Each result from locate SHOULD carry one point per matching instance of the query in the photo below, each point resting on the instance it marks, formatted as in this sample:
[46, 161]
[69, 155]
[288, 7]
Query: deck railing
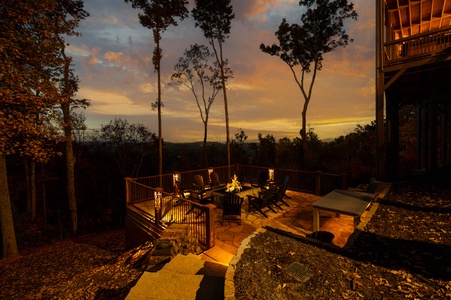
[417, 46]
[164, 209]
[199, 218]
[168, 207]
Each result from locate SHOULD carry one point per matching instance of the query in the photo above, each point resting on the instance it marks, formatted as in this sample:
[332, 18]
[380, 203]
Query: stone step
[168, 285]
[193, 265]
[184, 277]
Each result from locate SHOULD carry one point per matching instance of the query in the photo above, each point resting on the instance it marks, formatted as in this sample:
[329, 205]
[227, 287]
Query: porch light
[271, 174]
[175, 178]
[210, 170]
[158, 197]
[175, 181]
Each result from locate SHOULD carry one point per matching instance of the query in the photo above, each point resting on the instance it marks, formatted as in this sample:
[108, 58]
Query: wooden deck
[297, 218]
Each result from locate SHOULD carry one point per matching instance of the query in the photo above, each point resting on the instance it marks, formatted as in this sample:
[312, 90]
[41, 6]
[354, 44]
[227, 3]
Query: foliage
[32, 52]
[238, 150]
[27, 94]
[158, 15]
[353, 154]
[286, 156]
[266, 150]
[68, 86]
[129, 144]
[321, 30]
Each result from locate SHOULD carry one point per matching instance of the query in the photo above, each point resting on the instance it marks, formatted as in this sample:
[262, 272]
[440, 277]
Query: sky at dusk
[113, 59]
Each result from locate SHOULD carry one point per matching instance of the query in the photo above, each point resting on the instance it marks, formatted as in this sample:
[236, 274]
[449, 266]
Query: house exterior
[413, 67]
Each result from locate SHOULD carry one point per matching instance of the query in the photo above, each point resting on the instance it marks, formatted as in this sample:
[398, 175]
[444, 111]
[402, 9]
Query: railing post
[344, 183]
[127, 190]
[175, 179]
[318, 183]
[158, 203]
[210, 226]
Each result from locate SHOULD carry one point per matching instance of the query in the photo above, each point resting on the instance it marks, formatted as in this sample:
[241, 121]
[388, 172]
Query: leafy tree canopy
[214, 18]
[320, 31]
[30, 33]
[158, 15]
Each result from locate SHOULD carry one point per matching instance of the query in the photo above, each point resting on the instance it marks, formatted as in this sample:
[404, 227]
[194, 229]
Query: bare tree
[214, 17]
[203, 79]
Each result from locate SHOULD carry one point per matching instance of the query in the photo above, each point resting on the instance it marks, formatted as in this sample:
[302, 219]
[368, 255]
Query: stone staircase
[184, 277]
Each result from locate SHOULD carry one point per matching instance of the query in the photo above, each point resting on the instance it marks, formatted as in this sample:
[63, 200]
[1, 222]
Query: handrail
[318, 183]
[171, 209]
[416, 36]
[417, 46]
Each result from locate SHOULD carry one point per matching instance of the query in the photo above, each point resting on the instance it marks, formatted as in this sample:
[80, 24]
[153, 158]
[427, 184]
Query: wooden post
[315, 219]
[127, 190]
[210, 226]
[380, 130]
[318, 183]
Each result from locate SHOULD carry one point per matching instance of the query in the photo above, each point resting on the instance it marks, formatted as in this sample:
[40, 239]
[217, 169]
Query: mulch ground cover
[91, 267]
[404, 252]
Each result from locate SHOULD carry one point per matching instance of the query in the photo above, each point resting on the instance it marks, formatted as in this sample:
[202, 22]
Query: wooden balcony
[418, 50]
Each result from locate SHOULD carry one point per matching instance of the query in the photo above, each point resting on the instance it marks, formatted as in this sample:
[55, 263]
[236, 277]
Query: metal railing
[417, 46]
[198, 217]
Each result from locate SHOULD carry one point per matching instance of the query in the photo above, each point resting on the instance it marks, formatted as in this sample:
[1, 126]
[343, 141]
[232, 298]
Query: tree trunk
[27, 185]
[205, 144]
[6, 217]
[70, 161]
[44, 197]
[305, 154]
[33, 189]
[226, 110]
[160, 138]
[70, 168]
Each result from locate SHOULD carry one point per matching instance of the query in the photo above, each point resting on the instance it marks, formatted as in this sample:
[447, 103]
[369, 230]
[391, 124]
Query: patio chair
[198, 192]
[279, 194]
[265, 200]
[282, 183]
[215, 183]
[180, 193]
[231, 207]
[262, 181]
[241, 177]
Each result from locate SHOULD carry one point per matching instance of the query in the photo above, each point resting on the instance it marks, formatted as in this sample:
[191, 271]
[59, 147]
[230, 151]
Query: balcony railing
[417, 46]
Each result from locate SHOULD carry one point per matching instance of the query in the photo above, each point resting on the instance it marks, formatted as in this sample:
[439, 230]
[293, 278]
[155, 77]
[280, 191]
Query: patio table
[347, 202]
